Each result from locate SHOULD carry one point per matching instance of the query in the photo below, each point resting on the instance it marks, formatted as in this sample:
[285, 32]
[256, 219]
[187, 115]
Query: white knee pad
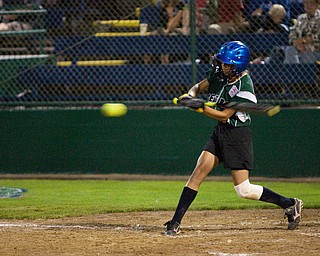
[248, 190]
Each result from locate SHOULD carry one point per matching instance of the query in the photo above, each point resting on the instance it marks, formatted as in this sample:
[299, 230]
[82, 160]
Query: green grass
[62, 198]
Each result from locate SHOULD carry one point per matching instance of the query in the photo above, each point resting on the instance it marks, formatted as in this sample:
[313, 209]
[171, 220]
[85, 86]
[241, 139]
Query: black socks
[186, 198]
[188, 195]
[272, 197]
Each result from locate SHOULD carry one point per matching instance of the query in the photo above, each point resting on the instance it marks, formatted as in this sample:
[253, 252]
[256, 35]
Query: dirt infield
[221, 233]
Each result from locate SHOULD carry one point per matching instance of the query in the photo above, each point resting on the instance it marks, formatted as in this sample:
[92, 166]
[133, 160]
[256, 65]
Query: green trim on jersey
[239, 91]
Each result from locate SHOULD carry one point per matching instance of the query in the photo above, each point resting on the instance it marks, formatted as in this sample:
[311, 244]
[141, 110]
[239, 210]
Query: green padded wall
[149, 141]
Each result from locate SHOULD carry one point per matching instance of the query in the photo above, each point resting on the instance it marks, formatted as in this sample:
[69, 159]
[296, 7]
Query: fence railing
[92, 55]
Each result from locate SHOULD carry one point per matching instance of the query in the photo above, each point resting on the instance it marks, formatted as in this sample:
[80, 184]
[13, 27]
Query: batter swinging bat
[259, 108]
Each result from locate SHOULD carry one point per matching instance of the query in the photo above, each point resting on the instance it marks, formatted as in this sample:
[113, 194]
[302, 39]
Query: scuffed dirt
[221, 233]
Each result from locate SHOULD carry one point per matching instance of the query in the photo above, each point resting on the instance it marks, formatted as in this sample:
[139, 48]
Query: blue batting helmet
[234, 53]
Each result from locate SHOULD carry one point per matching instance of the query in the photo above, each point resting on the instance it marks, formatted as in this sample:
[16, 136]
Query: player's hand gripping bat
[259, 108]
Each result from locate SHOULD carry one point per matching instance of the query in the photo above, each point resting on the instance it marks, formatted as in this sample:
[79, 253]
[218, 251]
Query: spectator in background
[48, 3]
[269, 22]
[202, 15]
[253, 7]
[176, 16]
[212, 11]
[229, 17]
[14, 22]
[272, 22]
[305, 36]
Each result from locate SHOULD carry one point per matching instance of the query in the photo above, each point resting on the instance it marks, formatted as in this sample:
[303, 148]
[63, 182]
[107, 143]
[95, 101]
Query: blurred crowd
[299, 19]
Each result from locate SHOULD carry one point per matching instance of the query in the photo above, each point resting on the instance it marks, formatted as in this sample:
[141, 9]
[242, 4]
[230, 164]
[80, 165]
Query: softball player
[231, 140]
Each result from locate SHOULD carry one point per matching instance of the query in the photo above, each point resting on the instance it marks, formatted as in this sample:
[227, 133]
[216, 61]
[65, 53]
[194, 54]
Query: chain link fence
[72, 53]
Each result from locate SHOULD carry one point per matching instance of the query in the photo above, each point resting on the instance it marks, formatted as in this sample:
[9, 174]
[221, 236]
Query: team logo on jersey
[233, 91]
[6, 192]
[215, 98]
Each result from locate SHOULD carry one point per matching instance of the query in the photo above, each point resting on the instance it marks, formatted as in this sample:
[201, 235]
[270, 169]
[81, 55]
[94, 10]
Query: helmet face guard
[234, 53]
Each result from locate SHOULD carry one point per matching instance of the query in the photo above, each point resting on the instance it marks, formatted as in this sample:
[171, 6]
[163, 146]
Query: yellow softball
[114, 109]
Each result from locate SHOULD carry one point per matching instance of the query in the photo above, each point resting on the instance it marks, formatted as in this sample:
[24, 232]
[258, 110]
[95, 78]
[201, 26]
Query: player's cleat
[172, 228]
[294, 214]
